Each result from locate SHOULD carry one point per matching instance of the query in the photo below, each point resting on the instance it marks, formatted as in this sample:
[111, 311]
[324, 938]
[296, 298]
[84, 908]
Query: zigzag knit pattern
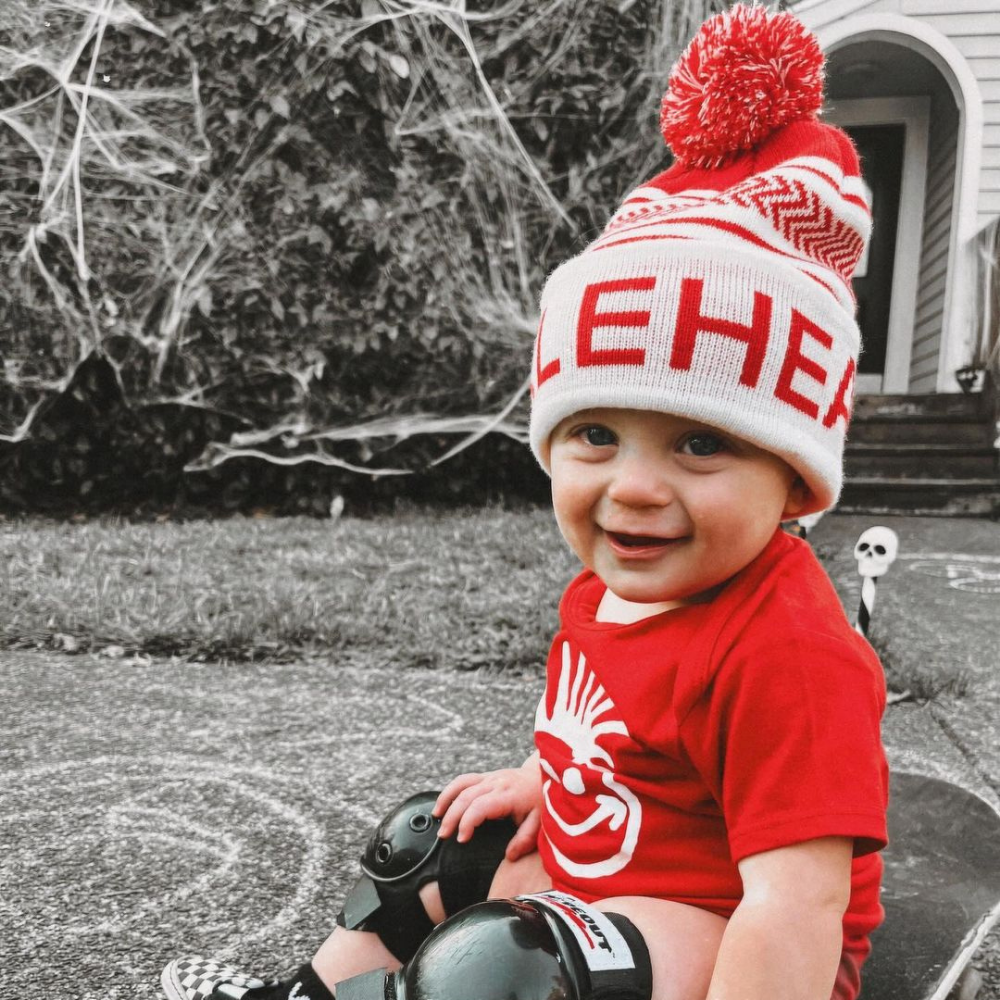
[806, 210]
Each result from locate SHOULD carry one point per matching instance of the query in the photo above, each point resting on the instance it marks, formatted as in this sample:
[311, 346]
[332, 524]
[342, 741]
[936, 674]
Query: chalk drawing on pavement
[103, 852]
[968, 573]
[417, 718]
[155, 836]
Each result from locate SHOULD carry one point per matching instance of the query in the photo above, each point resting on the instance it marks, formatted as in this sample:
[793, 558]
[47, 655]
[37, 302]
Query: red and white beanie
[720, 290]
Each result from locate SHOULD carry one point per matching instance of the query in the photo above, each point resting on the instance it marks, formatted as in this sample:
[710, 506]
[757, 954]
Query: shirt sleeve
[787, 738]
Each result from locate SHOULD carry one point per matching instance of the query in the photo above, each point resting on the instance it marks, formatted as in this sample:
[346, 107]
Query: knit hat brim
[713, 332]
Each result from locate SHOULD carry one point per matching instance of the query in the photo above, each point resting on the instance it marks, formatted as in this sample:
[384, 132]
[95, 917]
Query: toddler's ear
[799, 496]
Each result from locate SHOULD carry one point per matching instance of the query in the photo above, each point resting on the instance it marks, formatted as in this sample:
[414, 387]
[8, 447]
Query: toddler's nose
[639, 481]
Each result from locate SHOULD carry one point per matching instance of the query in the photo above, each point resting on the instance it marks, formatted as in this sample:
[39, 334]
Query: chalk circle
[982, 578]
[110, 846]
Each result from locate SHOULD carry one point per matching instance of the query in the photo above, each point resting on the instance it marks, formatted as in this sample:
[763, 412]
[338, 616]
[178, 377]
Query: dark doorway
[881, 150]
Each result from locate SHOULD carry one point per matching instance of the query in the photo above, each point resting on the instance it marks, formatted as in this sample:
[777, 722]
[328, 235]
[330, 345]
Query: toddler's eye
[598, 436]
[703, 444]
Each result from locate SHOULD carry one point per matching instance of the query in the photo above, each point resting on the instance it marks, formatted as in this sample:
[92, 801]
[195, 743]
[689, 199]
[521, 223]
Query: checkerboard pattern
[197, 978]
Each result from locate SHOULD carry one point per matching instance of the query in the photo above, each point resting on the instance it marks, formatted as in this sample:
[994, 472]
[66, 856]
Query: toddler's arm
[471, 798]
[784, 940]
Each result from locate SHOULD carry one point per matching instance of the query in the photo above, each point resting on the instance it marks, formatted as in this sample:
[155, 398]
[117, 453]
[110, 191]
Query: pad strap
[465, 871]
[639, 984]
[402, 925]
[613, 951]
[367, 986]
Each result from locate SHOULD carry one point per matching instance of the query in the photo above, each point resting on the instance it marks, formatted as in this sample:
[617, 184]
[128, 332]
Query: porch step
[922, 430]
[944, 406]
[923, 454]
[928, 497]
[928, 461]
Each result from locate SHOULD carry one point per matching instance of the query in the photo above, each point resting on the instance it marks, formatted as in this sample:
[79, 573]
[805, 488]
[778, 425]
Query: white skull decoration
[876, 551]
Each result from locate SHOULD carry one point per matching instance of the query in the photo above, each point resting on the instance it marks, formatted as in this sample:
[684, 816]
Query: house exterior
[917, 82]
[917, 85]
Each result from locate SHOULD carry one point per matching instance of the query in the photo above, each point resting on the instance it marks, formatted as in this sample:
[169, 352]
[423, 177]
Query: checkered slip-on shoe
[197, 978]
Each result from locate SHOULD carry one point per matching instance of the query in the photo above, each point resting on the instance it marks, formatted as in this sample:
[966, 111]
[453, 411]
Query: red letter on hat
[841, 405]
[691, 321]
[796, 361]
[542, 375]
[591, 319]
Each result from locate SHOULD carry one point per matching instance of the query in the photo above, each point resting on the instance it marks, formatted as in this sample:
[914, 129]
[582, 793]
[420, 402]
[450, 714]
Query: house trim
[804, 5]
[958, 333]
[914, 114]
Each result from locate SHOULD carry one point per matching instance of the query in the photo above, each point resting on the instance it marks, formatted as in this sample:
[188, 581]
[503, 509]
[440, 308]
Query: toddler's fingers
[451, 791]
[525, 840]
[488, 805]
[455, 812]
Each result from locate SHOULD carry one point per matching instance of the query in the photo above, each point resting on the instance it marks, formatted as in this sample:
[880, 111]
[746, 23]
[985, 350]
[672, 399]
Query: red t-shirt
[676, 746]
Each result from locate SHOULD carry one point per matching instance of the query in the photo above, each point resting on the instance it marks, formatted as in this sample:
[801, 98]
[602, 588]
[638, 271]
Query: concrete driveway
[151, 808]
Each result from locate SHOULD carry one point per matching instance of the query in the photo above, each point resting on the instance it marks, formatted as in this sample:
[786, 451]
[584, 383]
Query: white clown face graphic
[583, 797]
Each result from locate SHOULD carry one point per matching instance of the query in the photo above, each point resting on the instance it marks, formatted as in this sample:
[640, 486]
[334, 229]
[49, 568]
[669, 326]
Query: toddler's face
[664, 509]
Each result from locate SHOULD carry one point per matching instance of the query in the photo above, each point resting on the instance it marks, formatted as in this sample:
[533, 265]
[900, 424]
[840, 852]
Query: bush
[288, 223]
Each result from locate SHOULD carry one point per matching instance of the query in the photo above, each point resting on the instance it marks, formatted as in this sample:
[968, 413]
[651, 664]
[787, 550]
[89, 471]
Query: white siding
[973, 46]
[956, 25]
[989, 188]
[973, 27]
[819, 12]
[957, 8]
[991, 180]
[938, 208]
[985, 67]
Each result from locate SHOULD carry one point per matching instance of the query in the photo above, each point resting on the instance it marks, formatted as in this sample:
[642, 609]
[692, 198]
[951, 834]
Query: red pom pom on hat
[745, 74]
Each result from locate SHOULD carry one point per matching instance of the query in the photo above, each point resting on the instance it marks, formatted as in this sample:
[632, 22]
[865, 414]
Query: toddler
[708, 778]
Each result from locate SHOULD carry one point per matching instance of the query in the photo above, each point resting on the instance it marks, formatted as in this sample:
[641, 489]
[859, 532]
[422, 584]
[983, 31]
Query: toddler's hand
[469, 799]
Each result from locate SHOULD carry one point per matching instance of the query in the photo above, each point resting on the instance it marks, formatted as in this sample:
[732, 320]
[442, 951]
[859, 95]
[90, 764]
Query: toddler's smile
[662, 508]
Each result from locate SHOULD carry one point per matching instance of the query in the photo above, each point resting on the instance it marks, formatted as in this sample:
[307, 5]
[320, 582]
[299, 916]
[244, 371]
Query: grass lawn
[465, 589]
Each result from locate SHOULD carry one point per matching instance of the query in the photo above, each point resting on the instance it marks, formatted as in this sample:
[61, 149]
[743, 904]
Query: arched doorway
[900, 111]
[893, 57]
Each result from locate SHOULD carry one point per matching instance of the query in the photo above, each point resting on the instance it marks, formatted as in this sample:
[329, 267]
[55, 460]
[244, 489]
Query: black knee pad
[549, 946]
[403, 854]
